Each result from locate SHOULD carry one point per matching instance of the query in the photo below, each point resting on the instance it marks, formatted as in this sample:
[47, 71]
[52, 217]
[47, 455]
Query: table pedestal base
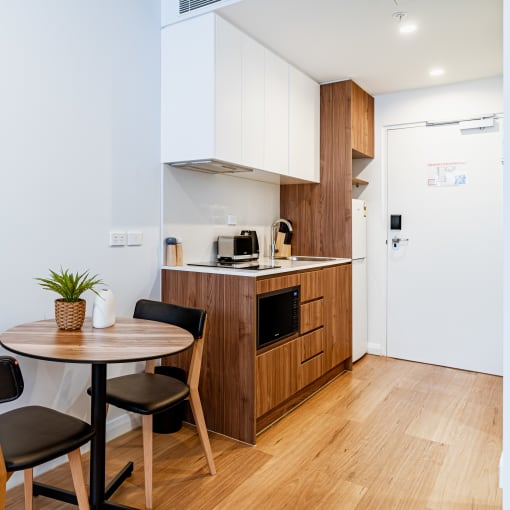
[41, 489]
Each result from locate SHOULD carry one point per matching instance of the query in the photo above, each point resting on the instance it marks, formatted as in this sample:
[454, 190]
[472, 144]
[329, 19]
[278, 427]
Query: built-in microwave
[277, 315]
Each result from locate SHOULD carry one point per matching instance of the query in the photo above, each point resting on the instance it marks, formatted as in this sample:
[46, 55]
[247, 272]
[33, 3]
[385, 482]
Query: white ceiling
[333, 40]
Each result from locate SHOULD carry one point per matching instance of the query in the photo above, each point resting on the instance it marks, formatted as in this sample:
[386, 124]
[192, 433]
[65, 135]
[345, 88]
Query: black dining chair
[33, 435]
[148, 393]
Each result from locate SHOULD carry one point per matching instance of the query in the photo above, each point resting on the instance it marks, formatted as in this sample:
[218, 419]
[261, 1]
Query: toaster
[231, 248]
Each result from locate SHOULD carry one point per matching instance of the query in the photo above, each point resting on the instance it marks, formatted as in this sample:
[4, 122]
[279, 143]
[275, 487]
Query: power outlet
[117, 238]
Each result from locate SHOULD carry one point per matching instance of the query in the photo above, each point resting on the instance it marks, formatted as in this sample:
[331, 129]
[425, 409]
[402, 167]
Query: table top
[127, 340]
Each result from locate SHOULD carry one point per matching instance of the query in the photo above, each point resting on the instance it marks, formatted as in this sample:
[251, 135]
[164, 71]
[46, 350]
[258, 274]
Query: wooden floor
[390, 435]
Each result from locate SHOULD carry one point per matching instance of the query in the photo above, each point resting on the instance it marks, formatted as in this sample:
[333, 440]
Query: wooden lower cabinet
[243, 391]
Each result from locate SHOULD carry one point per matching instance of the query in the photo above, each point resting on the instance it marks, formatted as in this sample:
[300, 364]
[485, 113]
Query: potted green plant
[70, 308]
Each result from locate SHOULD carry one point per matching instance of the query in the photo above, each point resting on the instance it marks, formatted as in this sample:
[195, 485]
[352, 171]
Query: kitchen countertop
[286, 266]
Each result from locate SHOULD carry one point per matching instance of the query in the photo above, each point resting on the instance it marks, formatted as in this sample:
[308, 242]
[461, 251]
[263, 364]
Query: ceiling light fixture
[436, 72]
[408, 28]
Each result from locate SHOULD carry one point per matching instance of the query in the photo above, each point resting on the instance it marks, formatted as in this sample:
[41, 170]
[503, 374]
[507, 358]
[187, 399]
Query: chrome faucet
[275, 227]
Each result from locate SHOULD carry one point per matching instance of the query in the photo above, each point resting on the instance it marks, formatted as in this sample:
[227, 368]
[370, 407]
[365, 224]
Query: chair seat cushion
[145, 393]
[32, 435]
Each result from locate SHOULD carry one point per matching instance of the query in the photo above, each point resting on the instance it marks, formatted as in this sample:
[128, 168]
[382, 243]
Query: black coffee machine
[254, 240]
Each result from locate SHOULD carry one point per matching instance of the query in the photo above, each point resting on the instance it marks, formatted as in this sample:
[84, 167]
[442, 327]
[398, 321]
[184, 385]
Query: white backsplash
[196, 207]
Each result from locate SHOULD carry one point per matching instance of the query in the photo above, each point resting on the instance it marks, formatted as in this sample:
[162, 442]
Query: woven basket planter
[70, 316]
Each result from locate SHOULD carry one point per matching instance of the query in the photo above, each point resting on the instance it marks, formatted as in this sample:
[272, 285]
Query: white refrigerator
[359, 279]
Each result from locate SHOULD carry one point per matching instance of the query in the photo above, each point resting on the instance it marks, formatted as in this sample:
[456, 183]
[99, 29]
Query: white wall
[196, 206]
[505, 474]
[435, 103]
[79, 136]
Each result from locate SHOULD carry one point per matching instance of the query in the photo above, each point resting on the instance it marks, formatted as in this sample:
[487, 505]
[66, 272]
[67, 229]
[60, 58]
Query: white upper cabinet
[276, 138]
[304, 126]
[188, 90]
[253, 103]
[225, 97]
[229, 96]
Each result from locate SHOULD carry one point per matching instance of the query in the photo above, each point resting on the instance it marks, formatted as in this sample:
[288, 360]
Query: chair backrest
[11, 380]
[190, 319]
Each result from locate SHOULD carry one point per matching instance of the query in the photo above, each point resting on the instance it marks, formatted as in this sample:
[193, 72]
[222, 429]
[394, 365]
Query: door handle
[397, 240]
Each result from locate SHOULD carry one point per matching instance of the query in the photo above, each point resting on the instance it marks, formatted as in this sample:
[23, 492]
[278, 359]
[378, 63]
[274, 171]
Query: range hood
[211, 166]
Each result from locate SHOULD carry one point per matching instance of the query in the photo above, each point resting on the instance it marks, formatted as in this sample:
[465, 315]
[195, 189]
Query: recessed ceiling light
[408, 28]
[436, 72]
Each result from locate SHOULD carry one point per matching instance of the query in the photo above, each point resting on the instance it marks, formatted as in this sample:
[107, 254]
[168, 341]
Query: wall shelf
[358, 182]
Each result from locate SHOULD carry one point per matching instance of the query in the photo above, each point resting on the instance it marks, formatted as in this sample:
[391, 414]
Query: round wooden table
[126, 341]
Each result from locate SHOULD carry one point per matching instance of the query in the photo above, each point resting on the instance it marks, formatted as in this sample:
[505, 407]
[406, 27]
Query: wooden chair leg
[78, 479]
[3, 490]
[198, 414]
[29, 481]
[147, 458]
[4, 476]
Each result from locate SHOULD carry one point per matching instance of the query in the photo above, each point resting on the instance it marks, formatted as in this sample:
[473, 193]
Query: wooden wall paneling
[300, 203]
[337, 315]
[311, 316]
[239, 318]
[311, 285]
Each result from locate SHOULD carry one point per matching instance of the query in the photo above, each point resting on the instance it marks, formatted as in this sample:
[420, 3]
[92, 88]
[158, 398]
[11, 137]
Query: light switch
[134, 238]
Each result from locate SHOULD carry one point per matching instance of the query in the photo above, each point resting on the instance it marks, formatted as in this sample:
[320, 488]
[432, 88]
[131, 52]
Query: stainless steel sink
[310, 258]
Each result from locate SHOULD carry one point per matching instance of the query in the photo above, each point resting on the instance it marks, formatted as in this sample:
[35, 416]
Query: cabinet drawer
[277, 283]
[277, 376]
[311, 344]
[311, 285]
[310, 370]
[312, 316]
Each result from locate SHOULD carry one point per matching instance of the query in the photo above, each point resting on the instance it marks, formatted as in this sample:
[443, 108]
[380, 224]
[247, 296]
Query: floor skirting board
[375, 349]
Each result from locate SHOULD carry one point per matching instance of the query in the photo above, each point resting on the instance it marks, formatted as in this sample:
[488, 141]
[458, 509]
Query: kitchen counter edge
[287, 266]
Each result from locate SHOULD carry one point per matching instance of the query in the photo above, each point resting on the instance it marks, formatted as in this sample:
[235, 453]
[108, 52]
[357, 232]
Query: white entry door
[445, 272]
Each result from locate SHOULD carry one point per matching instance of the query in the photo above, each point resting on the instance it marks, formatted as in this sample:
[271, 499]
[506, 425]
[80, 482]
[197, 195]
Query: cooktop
[251, 265]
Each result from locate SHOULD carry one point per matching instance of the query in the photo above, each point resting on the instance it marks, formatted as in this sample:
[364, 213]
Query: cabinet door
[276, 136]
[337, 315]
[277, 376]
[228, 115]
[304, 113]
[362, 120]
[253, 103]
[187, 90]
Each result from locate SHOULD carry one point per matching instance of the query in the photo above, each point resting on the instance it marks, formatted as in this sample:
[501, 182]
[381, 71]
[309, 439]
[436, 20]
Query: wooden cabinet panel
[227, 382]
[277, 376]
[280, 282]
[312, 316]
[311, 285]
[311, 370]
[311, 344]
[362, 120]
[337, 315]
